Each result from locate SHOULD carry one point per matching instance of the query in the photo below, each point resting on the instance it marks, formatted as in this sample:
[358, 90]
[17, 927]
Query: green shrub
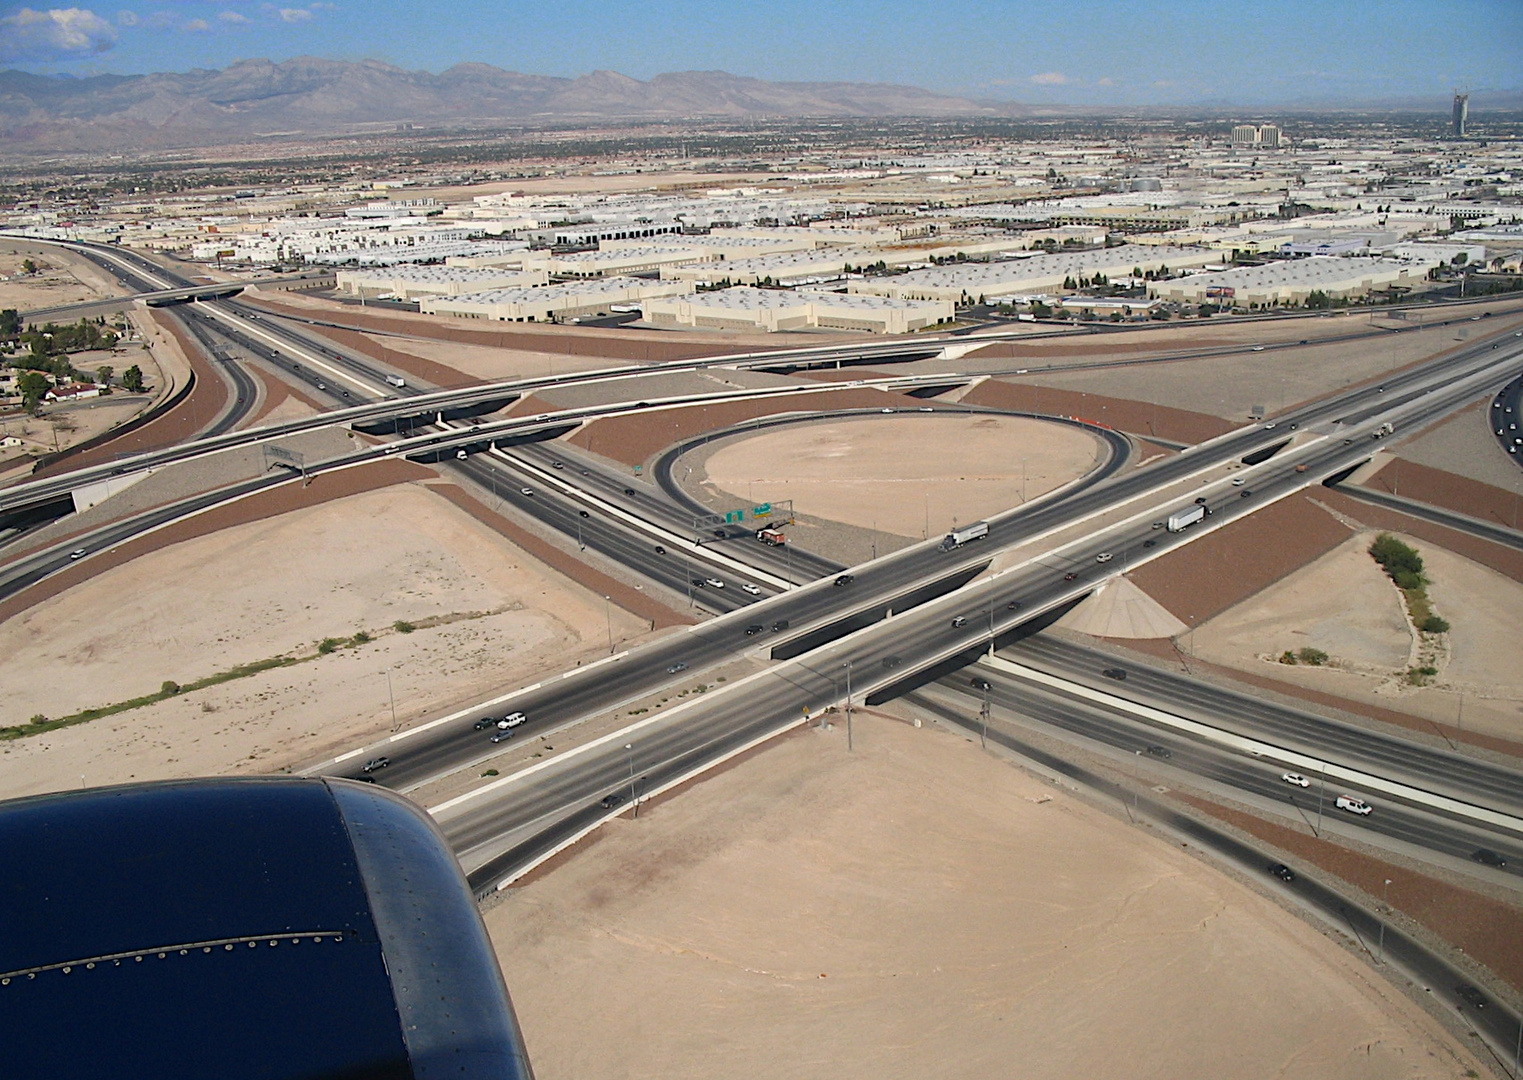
[490, 772]
[360, 638]
[169, 688]
[327, 645]
[1435, 625]
[1287, 657]
[402, 626]
[1395, 557]
[39, 720]
[1408, 580]
[1314, 657]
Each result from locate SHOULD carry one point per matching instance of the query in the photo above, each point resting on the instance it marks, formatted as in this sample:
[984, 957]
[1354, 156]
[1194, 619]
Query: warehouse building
[412, 282]
[1282, 283]
[745, 308]
[550, 302]
[783, 268]
[636, 259]
[966, 282]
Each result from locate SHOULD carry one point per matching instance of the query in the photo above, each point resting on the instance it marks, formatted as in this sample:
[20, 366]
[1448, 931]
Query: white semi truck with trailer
[958, 537]
[1181, 520]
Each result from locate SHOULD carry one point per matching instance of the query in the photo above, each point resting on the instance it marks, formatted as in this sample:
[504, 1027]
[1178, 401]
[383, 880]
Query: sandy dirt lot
[919, 908]
[1230, 385]
[488, 364]
[62, 278]
[896, 473]
[488, 619]
[1343, 605]
[1464, 445]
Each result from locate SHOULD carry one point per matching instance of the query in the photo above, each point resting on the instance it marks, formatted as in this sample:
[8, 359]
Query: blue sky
[1080, 51]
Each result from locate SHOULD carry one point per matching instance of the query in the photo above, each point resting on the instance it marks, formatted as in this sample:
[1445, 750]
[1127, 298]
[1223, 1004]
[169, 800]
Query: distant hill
[313, 96]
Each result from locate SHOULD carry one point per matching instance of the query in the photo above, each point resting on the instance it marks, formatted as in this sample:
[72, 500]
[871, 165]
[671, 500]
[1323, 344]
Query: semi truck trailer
[1181, 520]
[958, 537]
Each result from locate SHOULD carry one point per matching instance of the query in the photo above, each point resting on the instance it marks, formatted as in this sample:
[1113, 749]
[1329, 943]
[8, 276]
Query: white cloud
[1050, 78]
[127, 18]
[54, 34]
[1107, 81]
[235, 17]
[197, 26]
[294, 15]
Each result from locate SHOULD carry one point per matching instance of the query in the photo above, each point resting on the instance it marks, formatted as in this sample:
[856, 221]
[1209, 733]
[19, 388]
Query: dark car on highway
[754, 628]
[1281, 871]
[485, 722]
[1160, 752]
[779, 626]
[1471, 996]
[1070, 576]
[845, 579]
[1488, 857]
[611, 800]
[1119, 674]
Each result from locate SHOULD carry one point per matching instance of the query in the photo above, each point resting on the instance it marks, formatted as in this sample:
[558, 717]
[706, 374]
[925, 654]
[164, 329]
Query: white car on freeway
[713, 583]
[1355, 806]
[749, 588]
[1296, 779]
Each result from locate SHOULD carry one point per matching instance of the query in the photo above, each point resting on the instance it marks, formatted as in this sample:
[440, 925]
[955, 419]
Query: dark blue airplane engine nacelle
[264, 927]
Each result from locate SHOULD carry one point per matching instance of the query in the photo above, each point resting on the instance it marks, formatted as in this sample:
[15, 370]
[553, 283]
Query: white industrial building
[412, 282]
[636, 259]
[1292, 282]
[966, 282]
[770, 310]
[549, 302]
[782, 268]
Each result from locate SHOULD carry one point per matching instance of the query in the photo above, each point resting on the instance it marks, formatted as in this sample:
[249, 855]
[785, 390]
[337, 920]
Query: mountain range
[314, 96]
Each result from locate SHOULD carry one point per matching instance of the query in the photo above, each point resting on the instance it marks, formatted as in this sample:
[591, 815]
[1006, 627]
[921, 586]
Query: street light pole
[393, 699]
[1385, 903]
[629, 750]
[608, 613]
[848, 705]
[983, 713]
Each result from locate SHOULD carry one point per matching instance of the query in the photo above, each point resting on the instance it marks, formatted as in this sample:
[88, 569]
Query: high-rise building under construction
[1461, 114]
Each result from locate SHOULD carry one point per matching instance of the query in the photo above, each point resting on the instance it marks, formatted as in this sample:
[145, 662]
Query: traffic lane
[1392, 817]
[675, 517]
[1431, 970]
[1250, 716]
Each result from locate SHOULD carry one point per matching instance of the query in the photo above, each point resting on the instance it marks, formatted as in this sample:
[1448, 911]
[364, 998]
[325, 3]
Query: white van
[512, 720]
[1354, 806]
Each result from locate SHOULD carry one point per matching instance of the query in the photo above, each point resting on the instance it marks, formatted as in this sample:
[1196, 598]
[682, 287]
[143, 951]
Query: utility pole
[983, 714]
[1321, 794]
[608, 613]
[629, 750]
[1385, 903]
[393, 698]
[848, 706]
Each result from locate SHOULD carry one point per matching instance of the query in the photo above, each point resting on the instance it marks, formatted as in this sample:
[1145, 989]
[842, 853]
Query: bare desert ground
[490, 364]
[1344, 605]
[62, 278]
[487, 618]
[919, 908]
[906, 473]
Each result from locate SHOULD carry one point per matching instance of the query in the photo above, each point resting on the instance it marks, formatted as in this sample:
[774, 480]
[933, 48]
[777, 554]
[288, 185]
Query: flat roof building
[770, 310]
[1292, 282]
[549, 302]
[966, 282]
[411, 282]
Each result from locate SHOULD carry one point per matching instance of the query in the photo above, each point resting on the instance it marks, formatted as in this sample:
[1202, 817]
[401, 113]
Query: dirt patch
[636, 438]
[1341, 604]
[920, 908]
[1139, 417]
[1466, 445]
[907, 473]
[486, 618]
[278, 500]
[1414, 480]
[1203, 578]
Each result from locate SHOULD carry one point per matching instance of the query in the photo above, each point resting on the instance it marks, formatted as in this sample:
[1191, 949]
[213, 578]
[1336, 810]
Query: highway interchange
[842, 634]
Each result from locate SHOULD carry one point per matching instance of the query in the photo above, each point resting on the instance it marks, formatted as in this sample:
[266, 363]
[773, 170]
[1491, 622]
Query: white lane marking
[1234, 741]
